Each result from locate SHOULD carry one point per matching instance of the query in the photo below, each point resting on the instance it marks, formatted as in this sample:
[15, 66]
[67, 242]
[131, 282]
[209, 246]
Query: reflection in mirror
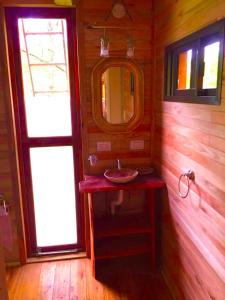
[118, 95]
[118, 90]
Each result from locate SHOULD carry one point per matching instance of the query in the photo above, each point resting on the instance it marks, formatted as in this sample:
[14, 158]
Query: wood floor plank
[47, 278]
[78, 280]
[62, 281]
[127, 288]
[73, 280]
[111, 290]
[27, 284]
[13, 281]
[95, 289]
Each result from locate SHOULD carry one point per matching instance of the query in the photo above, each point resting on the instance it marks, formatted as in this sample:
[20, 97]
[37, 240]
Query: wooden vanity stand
[122, 235]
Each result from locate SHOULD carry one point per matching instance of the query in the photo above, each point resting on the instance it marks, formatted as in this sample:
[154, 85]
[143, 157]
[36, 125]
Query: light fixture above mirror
[104, 46]
[130, 47]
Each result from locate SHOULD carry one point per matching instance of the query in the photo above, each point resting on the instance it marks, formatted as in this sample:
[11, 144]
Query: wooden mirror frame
[97, 72]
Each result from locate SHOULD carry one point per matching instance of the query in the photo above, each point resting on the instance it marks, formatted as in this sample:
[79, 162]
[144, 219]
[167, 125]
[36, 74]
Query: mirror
[117, 86]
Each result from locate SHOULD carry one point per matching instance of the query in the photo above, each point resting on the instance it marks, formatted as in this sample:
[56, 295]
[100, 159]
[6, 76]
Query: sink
[120, 175]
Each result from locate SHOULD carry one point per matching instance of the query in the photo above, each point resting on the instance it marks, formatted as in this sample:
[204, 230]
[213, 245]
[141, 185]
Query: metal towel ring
[189, 175]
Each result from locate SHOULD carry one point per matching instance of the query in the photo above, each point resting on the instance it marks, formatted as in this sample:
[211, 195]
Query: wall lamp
[104, 46]
[130, 47]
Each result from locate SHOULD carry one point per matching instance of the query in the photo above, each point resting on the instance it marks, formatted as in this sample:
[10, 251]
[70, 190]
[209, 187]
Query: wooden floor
[72, 280]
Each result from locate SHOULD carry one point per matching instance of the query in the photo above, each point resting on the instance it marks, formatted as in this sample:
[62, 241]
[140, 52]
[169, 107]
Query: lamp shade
[130, 48]
[104, 50]
[64, 2]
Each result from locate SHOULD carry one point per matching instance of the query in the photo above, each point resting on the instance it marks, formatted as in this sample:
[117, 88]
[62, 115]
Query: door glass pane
[184, 70]
[44, 58]
[52, 172]
[211, 59]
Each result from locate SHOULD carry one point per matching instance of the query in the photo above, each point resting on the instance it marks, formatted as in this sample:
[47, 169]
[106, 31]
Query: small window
[194, 67]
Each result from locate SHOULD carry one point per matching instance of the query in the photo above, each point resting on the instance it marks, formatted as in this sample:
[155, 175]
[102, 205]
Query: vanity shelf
[122, 235]
[121, 246]
[120, 225]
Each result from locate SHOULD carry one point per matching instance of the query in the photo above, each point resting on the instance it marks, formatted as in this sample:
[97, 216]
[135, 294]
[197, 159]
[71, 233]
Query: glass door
[44, 66]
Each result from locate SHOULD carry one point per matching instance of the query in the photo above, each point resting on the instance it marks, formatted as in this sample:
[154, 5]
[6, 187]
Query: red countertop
[99, 183]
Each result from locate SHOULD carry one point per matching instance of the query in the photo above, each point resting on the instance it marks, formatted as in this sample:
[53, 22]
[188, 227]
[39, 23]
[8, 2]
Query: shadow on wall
[170, 249]
[177, 250]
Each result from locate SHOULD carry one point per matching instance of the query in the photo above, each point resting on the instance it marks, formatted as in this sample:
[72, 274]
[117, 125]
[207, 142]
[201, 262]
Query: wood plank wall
[7, 151]
[190, 136]
[94, 12]
[3, 288]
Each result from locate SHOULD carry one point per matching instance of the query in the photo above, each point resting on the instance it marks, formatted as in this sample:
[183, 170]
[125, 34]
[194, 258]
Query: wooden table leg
[151, 207]
[87, 228]
[91, 221]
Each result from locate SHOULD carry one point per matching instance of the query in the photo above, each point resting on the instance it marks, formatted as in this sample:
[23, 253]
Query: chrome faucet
[118, 164]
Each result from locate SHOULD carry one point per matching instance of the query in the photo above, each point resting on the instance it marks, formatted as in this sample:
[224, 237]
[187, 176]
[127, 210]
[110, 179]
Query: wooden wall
[190, 136]
[94, 12]
[3, 289]
[8, 186]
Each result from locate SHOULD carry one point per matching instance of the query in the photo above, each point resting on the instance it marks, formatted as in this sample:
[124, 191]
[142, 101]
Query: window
[194, 67]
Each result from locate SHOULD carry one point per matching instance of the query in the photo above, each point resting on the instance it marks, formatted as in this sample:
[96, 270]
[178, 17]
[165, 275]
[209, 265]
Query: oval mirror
[117, 86]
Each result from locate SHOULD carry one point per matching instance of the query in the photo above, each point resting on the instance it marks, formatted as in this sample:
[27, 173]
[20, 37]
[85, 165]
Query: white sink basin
[120, 175]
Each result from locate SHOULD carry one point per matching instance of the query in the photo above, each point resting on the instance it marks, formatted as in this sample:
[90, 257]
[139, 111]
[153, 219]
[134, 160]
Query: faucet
[118, 164]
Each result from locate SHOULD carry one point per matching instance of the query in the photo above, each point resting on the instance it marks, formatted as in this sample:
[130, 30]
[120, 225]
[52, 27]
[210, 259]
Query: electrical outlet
[137, 145]
[103, 146]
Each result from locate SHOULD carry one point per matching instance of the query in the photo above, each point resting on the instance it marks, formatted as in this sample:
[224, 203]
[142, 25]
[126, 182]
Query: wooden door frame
[12, 15]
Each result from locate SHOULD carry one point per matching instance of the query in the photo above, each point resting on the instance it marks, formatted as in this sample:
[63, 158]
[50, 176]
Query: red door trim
[23, 141]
